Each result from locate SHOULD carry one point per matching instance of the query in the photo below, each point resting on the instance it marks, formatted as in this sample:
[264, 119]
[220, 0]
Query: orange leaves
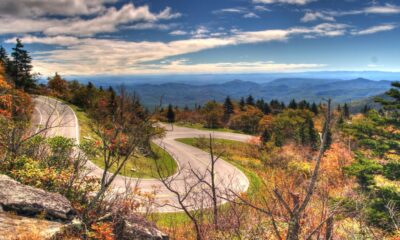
[12, 101]
[102, 231]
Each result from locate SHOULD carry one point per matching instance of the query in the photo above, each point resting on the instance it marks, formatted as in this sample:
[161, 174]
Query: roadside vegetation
[316, 172]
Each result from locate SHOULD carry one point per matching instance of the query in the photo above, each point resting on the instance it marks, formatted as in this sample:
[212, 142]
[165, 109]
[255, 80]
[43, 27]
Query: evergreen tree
[346, 111]
[260, 104]
[242, 104]
[283, 106]
[339, 108]
[4, 60]
[170, 114]
[314, 108]
[328, 139]
[266, 109]
[21, 67]
[302, 134]
[228, 109]
[366, 109]
[228, 106]
[312, 133]
[265, 136]
[293, 104]
[250, 100]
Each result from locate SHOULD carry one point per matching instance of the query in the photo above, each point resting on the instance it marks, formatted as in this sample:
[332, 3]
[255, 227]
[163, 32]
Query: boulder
[12, 226]
[30, 201]
[135, 227]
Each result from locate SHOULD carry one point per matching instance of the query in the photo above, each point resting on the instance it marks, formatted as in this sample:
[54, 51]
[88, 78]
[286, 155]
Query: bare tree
[295, 208]
[121, 135]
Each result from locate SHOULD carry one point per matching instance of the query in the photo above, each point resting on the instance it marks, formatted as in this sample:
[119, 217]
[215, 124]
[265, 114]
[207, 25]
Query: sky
[118, 37]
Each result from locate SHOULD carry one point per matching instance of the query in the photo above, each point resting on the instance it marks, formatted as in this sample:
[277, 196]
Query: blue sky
[117, 37]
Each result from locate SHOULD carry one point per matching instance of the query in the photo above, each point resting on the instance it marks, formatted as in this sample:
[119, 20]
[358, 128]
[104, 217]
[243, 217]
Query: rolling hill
[284, 89]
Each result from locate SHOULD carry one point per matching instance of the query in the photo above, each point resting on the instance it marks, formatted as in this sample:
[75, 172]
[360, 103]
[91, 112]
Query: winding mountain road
[51, 112]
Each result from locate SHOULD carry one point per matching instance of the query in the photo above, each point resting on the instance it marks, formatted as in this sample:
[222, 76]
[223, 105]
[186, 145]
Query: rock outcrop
[12, 226]
[30, 201]
[134, 227]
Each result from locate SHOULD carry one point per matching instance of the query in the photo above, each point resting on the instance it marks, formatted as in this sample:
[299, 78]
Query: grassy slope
[232, 153]
[139, 166]
[201, 127]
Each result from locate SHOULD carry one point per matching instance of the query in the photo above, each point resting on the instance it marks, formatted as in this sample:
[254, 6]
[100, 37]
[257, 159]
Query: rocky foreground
[29, 211]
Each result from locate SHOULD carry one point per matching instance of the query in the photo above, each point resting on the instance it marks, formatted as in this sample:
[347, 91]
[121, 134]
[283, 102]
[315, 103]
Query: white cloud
[230, 10]
[251, 15]
[375, 29]
[178, 33]
[297, 2]
[385, 9]
[81, 56]
[312, 16]
[150, 25]
[109, 21]
[200, 32]
[35, 8]
[261, 8]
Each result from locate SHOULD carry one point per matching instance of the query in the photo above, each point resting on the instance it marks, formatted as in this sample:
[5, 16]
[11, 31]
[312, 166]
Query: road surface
[51, 112]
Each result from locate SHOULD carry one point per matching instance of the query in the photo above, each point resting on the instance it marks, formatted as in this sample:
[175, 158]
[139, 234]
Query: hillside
[283, 89]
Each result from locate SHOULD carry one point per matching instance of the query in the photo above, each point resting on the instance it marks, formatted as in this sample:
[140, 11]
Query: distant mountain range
[283, 89]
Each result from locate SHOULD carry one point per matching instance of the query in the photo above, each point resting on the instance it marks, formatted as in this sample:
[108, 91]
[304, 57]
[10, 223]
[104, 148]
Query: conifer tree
[346, 111]
[170, 114]
[266, 109]
[21, 67]
[228, 109]
[314, 108]
[242, 104]
[250, 100]
[293, 104]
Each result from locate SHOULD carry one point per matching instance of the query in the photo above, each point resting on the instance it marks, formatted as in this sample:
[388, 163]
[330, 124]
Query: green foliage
[21, 67]
[391, 170]
[61, 149]
[213, 113]
[364, 170]
[247, 120]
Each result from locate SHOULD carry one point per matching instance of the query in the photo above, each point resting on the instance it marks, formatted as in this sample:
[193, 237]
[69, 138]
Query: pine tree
[242, 104]
[170, 114]
[260, 104]
[314, 108]
[293, 104]
[312, 133]
[228, 109]
[4, 60]
[366, 109]
[21, 67]
[250, 100]
[265, 136]
[266, 109]
[346, 111]
[339, 108]
[228, 106]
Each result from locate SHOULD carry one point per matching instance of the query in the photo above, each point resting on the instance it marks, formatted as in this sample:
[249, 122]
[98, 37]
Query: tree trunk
[294, 228]
[329, 228]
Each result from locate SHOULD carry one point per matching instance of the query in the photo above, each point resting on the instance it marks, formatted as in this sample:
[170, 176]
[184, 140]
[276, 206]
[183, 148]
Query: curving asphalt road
[51, 112]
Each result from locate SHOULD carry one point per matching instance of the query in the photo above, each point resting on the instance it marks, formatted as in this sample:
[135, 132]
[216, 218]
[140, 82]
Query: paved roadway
[55, 113]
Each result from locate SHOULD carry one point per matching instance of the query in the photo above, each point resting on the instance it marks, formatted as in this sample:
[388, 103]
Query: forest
[316, 170]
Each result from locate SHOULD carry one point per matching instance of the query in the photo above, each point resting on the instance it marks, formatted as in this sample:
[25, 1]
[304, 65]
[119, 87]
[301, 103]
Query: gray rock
[12, 226]
[26, 200]
[136, 227]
